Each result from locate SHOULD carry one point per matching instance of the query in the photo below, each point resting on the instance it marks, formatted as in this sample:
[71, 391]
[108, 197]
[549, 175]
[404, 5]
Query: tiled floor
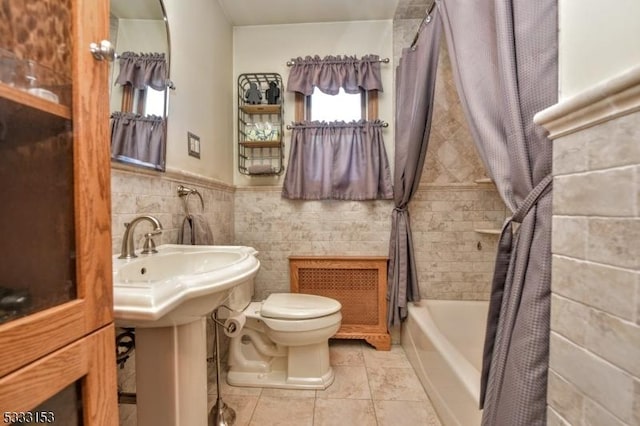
[370, 388]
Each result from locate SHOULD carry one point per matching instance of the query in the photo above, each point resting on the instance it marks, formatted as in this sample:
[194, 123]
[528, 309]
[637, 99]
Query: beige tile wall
[454, 261]
[450, 264]
[135, 193]
[594, 375]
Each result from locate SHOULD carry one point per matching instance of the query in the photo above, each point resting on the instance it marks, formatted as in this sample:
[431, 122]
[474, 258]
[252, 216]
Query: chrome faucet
[128, 246]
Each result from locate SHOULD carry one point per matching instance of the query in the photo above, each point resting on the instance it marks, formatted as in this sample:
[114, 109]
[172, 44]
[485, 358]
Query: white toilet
[284, 342]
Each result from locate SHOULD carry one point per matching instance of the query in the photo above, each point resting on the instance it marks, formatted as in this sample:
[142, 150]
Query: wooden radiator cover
[358, 283]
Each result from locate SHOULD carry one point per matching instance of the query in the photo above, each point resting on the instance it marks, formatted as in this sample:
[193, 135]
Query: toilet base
[277, 378]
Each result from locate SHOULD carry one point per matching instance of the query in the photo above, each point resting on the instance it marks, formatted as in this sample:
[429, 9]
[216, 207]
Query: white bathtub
[443, 340]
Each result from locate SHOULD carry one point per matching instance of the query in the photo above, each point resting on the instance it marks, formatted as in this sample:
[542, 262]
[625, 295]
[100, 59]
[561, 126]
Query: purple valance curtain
[136, 137]
[338, 160]
[143, 69]
[331, 73]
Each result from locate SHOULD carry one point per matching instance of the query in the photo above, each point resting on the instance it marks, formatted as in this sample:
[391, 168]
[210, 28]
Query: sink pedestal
[171, 375]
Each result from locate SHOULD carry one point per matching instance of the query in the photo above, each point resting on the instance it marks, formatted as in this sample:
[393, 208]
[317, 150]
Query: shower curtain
[415, 82]
[504, 56]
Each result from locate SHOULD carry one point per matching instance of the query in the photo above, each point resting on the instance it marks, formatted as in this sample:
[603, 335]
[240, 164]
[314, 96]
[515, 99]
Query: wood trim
[261, 144]
[608, 100]
[32, 101]
[92, 175]
[31, 337]
[355, 262]
[261, 109]
[299, 106]
[372, 105]
[35, 383]
[89, 358]
[100, 384]
[127, 98]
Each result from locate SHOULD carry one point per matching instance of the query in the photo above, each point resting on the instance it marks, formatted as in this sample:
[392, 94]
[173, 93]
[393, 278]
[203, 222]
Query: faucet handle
[149, 246]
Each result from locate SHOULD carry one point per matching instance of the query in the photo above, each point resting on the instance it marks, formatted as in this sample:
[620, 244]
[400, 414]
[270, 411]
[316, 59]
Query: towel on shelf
[261, 169]
[195, 231]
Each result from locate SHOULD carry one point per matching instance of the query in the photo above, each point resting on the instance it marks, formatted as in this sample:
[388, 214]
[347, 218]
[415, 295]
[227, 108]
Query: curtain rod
[383, 124]
[385, 60]
[426, 19]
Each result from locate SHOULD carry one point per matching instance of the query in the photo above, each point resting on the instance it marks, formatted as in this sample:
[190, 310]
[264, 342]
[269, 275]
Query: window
[147, 101]
[154, 102]
[341, 107]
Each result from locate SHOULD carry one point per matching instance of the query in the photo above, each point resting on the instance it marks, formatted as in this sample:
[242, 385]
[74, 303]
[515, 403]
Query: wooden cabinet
[56, 300]
[359, 283]
[260, 124]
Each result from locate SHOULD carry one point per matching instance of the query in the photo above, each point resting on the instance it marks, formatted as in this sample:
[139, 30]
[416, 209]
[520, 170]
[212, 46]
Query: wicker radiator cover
[358, 283]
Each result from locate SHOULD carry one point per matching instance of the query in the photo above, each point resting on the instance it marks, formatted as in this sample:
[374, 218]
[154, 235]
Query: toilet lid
[298, 306]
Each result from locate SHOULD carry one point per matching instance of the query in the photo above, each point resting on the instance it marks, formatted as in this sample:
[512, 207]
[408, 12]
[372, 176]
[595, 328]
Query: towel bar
[184, 193]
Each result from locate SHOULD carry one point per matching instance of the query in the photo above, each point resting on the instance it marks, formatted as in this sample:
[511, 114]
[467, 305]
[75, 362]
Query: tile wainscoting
[594, 366]
[135, 192]
[450, 263]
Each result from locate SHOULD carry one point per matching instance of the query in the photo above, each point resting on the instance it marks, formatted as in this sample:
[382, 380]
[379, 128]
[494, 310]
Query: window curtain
[415, 83]
[334, 72]
[142, 70]
[341, 161]
[138, 137]
[504, 58]
[337, 160]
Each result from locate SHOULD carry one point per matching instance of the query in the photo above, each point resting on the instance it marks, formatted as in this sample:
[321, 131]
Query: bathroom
[594, 376]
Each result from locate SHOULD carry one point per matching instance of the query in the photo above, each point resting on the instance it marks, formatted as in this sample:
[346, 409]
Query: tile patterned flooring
[371, 388]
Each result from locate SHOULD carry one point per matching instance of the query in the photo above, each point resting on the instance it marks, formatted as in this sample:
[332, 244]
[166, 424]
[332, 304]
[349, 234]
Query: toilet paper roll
[233, 325]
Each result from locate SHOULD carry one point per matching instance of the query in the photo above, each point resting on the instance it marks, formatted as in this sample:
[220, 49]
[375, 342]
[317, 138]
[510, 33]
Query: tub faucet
[128, 246]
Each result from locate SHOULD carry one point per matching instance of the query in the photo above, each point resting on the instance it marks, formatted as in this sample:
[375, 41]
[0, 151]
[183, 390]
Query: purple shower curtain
[415, 83]
[504, 57]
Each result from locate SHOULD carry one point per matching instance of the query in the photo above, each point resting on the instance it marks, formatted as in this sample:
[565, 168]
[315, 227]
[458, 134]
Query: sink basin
[179, 284]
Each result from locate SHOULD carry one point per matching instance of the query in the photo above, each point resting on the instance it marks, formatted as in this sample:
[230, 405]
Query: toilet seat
[295, 312]
[297, 306]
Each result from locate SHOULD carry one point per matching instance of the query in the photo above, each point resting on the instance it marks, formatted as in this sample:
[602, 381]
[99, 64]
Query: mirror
[141, 28]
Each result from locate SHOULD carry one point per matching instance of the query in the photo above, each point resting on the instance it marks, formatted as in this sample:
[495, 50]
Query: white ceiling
[140, 9]
[273, 12]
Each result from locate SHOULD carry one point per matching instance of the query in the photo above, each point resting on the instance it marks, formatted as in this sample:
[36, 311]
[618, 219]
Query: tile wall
[594, 375]
[135, 193]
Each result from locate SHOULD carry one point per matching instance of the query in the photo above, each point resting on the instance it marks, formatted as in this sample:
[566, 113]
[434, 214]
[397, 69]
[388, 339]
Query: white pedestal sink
[167, 296]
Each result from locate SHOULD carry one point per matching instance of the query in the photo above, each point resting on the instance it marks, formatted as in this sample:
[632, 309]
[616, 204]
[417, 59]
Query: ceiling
[254, 12]
[274, 12]
[140, 9]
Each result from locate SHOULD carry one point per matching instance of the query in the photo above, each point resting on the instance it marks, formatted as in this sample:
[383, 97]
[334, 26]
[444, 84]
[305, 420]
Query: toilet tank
[241, 295]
